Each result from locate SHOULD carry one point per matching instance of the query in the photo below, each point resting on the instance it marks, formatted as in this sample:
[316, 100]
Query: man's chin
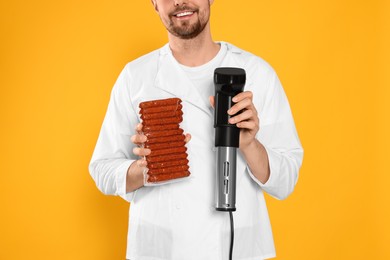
[186, 33]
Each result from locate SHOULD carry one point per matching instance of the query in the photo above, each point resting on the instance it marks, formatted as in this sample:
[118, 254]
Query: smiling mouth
[184, 14]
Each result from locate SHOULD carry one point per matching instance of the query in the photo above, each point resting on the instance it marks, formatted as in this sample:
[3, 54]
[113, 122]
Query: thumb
[187, 138]
[212, 101]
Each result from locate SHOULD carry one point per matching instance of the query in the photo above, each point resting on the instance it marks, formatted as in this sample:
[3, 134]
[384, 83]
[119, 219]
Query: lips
[185, 13]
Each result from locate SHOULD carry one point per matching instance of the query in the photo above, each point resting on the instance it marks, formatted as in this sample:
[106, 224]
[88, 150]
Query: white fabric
[201, 76]
[178, 221]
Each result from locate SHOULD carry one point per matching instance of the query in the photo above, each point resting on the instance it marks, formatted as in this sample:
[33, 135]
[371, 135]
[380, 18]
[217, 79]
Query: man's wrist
[257, 160]
[245, 149]
[134, 177]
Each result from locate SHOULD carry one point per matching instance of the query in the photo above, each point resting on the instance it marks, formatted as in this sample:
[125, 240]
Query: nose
[180, 2]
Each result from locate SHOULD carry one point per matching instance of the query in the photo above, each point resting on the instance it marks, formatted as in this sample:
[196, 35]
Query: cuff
[120, 181]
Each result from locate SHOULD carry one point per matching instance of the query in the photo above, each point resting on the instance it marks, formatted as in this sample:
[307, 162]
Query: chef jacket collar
[171, 78]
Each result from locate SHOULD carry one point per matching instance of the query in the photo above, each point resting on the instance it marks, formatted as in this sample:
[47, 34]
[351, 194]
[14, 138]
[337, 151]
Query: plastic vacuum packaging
[167, 161]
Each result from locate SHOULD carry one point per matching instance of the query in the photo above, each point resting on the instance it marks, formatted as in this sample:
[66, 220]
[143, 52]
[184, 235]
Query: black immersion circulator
[228, 83]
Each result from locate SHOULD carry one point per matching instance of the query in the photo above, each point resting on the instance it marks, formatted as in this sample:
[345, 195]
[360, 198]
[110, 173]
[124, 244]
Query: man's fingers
[243, 104]
[242, 100]
[212, 101]
[141, 151]
[141, 162]
[248, 125]
[187, 138]
[138, 128]
[138, 139]
[242, 96]
[245, 115]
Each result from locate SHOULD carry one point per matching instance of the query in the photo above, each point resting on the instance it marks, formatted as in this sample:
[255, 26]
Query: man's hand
[247, 120]
[135, 173]
[139, 139]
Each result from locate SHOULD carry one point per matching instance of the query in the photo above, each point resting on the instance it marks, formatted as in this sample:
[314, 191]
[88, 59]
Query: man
[178, 220]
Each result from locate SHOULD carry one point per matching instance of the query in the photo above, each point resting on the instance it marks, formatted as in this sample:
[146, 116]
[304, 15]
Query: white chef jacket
[178, 221]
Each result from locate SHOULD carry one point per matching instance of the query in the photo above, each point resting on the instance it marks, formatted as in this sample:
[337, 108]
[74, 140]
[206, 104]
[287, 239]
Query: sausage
[165, 139]
[168, 157]
[159, 127]
[176, 168]
[157, 146]
[164, 158]
[156, 134]
[172, 150]
[159, 109]
[163, 121]
[160, 102]
[167, 163]
[169, 176]
[175, 113]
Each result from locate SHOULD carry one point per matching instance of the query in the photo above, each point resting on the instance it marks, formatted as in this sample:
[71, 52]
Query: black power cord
[231, 235]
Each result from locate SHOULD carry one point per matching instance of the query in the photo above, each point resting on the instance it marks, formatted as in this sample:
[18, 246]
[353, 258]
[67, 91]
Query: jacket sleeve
[113, 151]
[279, 136]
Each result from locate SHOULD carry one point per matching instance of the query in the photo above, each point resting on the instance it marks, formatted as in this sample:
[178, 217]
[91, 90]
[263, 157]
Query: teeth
[184, 14]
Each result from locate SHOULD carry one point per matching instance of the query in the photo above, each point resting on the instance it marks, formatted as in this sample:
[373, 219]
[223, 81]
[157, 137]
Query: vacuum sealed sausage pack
[167, 161]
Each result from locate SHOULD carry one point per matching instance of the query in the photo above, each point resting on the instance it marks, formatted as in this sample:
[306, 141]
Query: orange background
[60, 59]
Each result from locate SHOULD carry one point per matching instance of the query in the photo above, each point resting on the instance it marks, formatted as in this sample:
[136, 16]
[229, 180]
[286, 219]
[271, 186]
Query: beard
[186, 30]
